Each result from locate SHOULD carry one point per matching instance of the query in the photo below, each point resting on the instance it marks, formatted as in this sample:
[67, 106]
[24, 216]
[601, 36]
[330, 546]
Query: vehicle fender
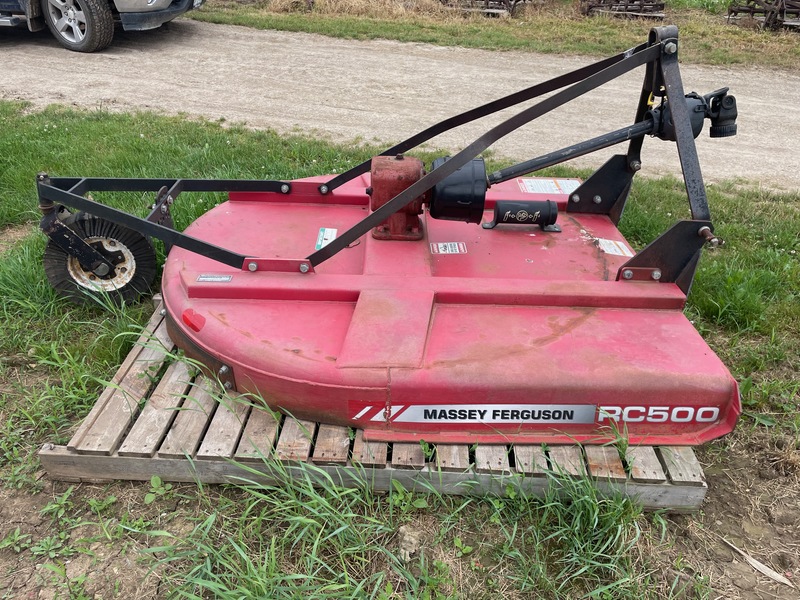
[33, 12]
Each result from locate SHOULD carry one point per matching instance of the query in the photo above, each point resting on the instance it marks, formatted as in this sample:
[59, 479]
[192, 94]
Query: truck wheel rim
[69, 19]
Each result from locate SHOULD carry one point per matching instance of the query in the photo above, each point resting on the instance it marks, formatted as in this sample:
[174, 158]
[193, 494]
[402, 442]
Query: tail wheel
[130, 252]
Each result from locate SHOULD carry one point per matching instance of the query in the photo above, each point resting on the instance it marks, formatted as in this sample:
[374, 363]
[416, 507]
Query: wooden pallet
[157, 417]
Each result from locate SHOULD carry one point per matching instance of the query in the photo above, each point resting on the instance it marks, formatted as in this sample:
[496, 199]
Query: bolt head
[252, 267]
[671, 48]
[224, 370]
[656, 274]
[323, 189]
[285, 188]
[575, 198]
[597, 199]
[304, 268]
[627, 274]
[636, 165]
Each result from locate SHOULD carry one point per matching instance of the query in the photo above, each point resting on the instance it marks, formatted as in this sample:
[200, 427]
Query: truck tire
[80, 25]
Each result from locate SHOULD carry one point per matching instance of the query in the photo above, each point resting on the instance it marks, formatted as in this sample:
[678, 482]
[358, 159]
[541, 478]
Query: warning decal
[326, 236]
[449, 248]
[530, 185]
[614, 247]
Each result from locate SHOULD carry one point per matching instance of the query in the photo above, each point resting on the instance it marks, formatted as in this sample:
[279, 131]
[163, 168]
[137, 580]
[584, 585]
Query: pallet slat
[369, 454]
[682, 465]
[222, 435]
[603, 462]
[190, 423]
[644, 465]
[332, 445]
[407, 456]
[451, 457]
[491, 459]
[567, 460]
[530, 460]
[258, 437]
[99, 406]
[153, 422]
[294, 443]
[122, 407]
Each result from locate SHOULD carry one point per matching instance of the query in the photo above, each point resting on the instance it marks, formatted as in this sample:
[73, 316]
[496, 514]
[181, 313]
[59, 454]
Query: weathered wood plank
[644, 465]
[452, 457]
[604, 463]
[105, 433]
[369, 454]
[407, 456]
[567, 460]
[133, 355]
[682, 465]
[530, 460]
[294, 443]
[223, 433]
[153, 422]
[491, 459]
[59, 460]
[332, 445]
[258, 437]
[187, 429]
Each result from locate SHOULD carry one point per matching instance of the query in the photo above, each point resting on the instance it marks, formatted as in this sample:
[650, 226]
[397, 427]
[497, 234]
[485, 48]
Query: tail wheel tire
[131, 253]
[80, 25]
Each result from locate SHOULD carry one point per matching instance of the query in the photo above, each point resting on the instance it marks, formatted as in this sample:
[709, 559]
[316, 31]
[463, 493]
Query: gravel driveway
[383, 91]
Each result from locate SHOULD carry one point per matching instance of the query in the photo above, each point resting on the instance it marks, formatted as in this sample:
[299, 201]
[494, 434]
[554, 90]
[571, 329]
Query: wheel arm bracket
[74, 245]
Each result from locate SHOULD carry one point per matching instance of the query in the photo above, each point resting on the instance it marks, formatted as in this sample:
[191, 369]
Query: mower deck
[468, 335]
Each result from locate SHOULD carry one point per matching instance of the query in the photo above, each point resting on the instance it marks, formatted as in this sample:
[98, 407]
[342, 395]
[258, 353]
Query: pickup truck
[88, 25]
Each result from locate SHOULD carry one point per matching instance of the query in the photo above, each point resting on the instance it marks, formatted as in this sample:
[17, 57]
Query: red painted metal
[467, 335]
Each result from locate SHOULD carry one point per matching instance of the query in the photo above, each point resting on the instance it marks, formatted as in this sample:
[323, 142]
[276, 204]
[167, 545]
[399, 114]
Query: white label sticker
[214, 278]
[326, 236]
[498, 413]
[449, 248]
[614, 247]
[530, 185]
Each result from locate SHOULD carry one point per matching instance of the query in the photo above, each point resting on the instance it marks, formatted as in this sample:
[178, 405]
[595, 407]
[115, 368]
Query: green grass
[553, 28]
[304, 535]
[293, 539]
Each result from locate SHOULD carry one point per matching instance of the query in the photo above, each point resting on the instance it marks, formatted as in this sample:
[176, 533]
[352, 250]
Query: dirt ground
[344, 90]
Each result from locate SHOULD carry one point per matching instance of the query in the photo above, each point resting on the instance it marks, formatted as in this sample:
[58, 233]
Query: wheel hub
[120, 255]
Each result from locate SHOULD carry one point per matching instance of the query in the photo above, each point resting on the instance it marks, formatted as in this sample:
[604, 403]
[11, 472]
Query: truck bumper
[140, 21]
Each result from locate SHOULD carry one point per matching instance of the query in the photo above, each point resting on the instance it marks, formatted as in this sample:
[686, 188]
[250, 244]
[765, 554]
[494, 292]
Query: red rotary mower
[450, 304]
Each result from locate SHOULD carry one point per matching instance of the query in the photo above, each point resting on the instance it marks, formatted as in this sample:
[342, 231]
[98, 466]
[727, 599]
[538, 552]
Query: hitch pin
[711, 239]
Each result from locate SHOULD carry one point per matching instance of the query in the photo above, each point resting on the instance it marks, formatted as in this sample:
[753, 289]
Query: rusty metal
[390, 175]
[650, 9]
